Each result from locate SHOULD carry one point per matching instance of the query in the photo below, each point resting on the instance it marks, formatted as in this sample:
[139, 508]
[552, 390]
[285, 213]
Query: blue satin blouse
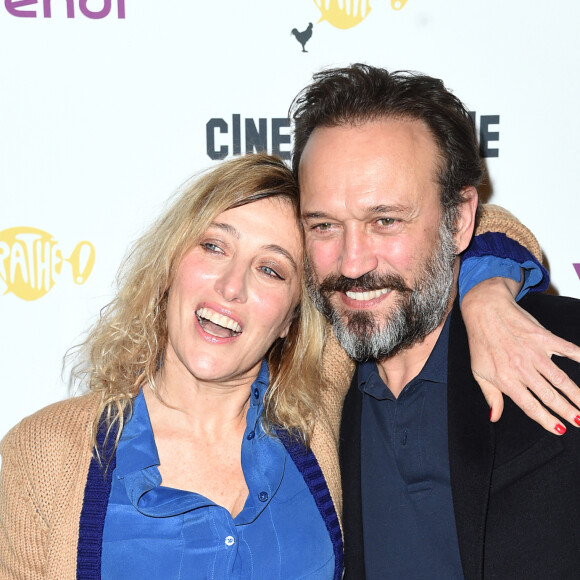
[157, 532]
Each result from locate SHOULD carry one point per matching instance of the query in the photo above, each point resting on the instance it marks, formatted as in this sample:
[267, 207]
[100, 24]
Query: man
[388, 167]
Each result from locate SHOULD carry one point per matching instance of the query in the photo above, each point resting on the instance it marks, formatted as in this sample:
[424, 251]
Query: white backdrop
[105, 105]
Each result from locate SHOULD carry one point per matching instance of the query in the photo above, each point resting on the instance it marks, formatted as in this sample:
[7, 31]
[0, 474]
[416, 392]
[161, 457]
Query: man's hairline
[441, 161]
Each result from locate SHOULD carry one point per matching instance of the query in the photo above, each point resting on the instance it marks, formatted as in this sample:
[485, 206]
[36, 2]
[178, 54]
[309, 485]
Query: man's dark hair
[360, 93]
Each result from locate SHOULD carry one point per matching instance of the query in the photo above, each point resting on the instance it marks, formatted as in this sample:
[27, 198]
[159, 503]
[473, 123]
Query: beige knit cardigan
[45, 459]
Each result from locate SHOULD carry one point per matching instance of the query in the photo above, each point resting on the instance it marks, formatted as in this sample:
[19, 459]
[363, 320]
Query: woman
[178, 384]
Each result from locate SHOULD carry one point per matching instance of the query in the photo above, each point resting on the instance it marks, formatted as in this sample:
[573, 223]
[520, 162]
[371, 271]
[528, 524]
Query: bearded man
[388, 166]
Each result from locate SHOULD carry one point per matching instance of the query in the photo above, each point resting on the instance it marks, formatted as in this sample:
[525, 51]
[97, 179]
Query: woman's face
[234, 293]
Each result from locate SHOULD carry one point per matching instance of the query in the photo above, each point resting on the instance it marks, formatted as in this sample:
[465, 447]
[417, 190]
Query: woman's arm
[22, 527]
[510, 351]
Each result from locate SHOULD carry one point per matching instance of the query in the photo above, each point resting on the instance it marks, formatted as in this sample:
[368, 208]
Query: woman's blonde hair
[125, 348]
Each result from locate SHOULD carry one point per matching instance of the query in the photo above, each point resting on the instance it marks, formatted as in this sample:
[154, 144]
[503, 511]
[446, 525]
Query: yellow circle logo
[348, 13]
[31, 261]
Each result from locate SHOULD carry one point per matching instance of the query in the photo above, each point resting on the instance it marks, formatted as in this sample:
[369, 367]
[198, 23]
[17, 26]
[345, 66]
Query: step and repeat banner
[107, 106]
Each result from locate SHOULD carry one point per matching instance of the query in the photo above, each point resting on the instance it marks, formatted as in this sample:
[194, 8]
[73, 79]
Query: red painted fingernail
[491, 413]
[560, 428]
[577, 419]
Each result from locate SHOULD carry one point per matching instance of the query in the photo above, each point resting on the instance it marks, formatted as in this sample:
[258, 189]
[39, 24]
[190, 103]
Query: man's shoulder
[550, 302]
[559, 314]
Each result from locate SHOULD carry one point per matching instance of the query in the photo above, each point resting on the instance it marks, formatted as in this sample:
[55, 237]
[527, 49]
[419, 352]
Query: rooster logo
[304, 36]
[341, 14]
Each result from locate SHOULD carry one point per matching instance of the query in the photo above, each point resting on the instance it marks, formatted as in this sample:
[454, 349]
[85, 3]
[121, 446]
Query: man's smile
[366, 295]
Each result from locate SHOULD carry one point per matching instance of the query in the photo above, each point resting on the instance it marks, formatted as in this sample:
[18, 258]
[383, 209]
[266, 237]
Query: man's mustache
[365, 283]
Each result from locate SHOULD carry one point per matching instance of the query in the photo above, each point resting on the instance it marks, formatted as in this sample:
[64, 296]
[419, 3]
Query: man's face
[381, 262]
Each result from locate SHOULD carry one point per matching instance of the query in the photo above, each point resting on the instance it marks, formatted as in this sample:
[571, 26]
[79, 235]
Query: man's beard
[417, 311]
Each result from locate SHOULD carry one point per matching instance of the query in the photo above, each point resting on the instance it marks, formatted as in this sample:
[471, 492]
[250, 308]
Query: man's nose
[358, 255]
[232, 283]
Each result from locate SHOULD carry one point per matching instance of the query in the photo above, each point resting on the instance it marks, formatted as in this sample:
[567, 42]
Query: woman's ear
[465, 223]
[285, 330]
[291, 319]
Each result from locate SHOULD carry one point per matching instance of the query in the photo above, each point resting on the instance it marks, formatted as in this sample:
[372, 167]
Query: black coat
[516, 487]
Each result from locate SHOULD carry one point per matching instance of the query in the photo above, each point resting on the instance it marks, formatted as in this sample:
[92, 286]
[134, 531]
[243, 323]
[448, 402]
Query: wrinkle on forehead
[386, 156]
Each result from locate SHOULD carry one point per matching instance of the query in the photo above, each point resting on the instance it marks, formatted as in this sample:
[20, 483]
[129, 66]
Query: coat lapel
[471, 448]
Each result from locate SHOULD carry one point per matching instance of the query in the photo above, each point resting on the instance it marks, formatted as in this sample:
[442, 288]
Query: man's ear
[465, 223]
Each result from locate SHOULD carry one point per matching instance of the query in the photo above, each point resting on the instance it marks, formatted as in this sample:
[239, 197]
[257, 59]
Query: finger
[537, 412]
[551, 397]
[567, 350]
[493, 396]
[559, 379]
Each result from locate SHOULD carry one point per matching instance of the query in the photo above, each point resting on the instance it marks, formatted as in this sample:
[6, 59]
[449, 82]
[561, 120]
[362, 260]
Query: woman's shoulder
[60, 427]
[337, 372]
[45, 461]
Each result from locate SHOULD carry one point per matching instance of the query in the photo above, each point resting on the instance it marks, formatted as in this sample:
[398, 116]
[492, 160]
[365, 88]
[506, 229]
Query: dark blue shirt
[152, 531]
[408, 520]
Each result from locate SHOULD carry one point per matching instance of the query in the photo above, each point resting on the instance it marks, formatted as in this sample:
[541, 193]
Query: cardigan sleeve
[23, 539]
[45, 460]
[493, 218]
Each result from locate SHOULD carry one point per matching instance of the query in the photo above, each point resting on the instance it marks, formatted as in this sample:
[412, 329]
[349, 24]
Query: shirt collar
[259, 386]
[138, 461]
[137, 436]
[136, 449]
[434, 370]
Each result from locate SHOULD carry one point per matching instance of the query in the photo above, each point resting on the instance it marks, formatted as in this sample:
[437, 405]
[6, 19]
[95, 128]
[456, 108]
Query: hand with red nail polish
[511, 354]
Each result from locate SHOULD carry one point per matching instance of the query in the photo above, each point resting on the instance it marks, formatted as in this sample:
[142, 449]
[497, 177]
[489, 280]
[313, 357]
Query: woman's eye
[211, 247]
[271, 272]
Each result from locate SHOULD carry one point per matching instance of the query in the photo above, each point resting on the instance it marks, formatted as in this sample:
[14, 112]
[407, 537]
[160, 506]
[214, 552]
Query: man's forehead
[391, 156]
[400, 139]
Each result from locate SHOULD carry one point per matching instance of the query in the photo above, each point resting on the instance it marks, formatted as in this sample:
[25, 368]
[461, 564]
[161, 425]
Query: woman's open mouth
[217, 324]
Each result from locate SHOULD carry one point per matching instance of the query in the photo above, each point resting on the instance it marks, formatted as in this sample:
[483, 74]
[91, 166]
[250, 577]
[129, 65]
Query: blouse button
[263, 496]
[251, 435]
[256, 393]
[230, 541]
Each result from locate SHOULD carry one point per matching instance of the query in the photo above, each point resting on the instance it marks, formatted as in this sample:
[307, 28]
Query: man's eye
[271, 272]
[323, 227]
[386, 221]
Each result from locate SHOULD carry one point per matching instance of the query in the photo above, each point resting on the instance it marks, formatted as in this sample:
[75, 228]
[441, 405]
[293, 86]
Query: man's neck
[401, 368]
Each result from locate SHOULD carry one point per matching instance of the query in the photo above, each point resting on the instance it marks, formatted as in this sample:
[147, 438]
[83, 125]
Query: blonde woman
[201, 449]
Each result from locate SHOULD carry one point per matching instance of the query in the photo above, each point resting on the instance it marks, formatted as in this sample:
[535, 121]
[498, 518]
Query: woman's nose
[232, 283]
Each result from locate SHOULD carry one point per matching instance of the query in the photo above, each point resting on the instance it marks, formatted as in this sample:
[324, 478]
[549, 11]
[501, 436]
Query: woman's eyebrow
[227, 228]
[268, 247]
[280, 250]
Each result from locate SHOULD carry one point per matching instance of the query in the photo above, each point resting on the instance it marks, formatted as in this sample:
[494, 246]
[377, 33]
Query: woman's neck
[204, 406]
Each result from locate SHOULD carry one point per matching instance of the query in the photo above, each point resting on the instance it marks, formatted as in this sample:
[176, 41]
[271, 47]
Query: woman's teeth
[205, 315]
[367, 295]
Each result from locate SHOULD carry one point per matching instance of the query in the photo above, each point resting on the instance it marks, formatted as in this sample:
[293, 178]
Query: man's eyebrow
[280, 250]
[396, 208]
[373, 209]
[314, 215]
[226, 228]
